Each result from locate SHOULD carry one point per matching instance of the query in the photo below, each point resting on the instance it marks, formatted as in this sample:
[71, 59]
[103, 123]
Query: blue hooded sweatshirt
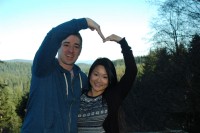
[54, 98]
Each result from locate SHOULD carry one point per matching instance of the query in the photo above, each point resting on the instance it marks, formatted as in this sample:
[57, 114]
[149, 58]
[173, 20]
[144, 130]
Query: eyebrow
[69, 42]
[102, 74]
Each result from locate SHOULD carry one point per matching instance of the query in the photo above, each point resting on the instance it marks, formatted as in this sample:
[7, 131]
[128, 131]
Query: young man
[57, 83]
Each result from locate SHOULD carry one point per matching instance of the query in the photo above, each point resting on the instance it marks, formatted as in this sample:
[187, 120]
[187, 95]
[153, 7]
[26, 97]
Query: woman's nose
[99, 79]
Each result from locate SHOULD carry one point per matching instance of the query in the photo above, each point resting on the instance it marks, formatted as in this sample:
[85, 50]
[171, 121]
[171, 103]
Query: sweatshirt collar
[76, 69]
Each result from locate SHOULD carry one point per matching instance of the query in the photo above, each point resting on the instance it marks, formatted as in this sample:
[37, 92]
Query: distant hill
[31, 61]
[84, 61]
[19, 60]
[138, 59]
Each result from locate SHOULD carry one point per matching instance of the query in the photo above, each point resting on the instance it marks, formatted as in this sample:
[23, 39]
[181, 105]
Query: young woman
[100, 104]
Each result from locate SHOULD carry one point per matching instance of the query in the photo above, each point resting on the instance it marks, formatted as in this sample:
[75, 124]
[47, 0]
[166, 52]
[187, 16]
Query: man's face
[69, 51]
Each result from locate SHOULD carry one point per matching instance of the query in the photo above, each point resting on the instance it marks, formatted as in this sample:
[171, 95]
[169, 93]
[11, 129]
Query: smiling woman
[100, 104]
[22, 36]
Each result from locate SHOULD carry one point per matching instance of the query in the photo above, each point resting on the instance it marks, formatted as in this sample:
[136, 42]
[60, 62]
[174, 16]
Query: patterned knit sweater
[92, 114]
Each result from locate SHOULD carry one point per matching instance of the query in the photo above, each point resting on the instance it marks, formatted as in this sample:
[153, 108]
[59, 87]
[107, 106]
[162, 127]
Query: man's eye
[77, 47]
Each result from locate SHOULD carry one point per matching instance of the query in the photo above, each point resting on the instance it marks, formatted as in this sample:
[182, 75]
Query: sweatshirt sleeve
[127, 80]
[43, 62]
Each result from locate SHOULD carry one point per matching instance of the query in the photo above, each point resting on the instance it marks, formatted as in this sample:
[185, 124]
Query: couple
[60, 91]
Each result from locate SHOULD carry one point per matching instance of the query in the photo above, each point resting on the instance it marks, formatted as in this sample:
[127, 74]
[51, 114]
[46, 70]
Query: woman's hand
[113, 37]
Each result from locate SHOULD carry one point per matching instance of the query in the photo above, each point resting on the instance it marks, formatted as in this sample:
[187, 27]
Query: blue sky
[24, 24]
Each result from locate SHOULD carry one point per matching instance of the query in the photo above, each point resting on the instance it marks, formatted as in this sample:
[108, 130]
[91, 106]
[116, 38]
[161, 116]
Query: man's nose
[71, 49]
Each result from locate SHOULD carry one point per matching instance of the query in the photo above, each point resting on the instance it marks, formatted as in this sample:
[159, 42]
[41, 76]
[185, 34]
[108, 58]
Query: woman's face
[98, 80]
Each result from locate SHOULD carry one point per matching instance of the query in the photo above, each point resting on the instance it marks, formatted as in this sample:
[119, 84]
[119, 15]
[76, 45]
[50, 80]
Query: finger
[98, 29]
[92, 29]
[107, 39]
[101, 35]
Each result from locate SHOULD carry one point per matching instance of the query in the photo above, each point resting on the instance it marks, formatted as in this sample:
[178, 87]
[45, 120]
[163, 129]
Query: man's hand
[94, 26]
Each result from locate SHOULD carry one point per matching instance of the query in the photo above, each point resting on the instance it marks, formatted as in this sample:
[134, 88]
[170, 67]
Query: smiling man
[57, 83]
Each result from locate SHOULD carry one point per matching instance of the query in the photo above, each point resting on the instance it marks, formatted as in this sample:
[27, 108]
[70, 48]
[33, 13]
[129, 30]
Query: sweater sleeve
[127, 80]
[44, 59]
